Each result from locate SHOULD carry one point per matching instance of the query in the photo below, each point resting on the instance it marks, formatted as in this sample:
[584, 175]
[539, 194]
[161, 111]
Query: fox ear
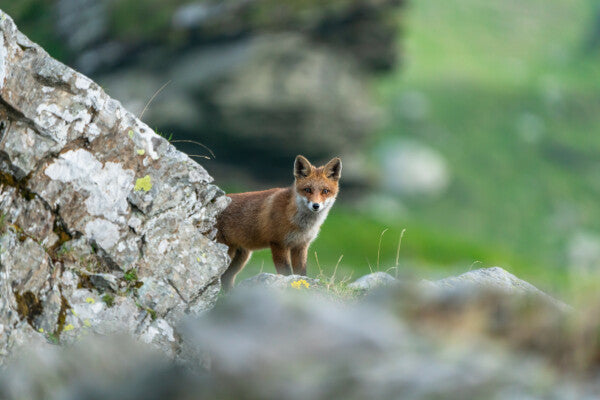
[302, 167]
[333, 169]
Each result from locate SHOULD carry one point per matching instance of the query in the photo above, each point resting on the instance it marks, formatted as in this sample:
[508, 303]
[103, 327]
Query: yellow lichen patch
[68, 328]
[143, 184]
[87, 323]
[300, 283]
[141, 152]
[41, 330]
[90, 300]
[73, 311]
[130, 134]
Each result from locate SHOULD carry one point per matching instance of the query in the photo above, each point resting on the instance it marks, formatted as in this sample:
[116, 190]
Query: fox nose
[316, 206]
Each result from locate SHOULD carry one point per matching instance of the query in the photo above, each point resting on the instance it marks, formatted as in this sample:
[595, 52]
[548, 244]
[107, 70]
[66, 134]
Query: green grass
[512, 104]
[427, 252]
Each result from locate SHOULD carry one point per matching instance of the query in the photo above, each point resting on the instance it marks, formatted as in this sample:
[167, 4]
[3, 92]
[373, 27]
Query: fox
[287, 220]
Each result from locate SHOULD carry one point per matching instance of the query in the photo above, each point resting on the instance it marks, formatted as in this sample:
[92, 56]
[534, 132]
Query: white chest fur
[307, 221]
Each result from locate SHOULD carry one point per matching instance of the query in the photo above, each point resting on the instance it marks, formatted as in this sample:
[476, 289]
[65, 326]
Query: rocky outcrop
[372, 281]
[275, 281]
[290, 345]
[104, 226]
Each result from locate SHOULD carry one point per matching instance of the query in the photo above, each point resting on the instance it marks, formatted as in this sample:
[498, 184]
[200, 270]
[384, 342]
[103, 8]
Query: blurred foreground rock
[104, 226]
[275, 281]
[283, 345]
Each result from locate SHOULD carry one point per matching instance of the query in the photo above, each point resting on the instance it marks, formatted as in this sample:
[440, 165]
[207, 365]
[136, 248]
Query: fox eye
[308, 190]
[325, 191]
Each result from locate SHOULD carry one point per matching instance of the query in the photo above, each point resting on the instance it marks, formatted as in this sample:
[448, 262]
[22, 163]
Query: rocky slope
[407, 341]
[104, 226]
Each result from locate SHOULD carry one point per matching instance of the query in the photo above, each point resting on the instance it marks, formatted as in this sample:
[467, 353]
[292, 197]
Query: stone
[105, 227]
[412, 169]
[373, 281]
[495, 279]
[275, 281]
[393, 344]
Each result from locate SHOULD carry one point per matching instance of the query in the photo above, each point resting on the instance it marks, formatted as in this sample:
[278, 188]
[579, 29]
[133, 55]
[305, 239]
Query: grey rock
[104, 281]
[372, 281]
[94, 205]
[412, 169]
[315, 347]
[275, 281]
[494, 278]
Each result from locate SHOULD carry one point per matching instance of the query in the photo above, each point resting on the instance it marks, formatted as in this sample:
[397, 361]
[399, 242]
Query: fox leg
[299, 259]
[239, 258]
[281, 259]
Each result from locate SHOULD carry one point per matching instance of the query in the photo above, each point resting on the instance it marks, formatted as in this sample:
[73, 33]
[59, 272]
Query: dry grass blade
[379, 246]
[399, 244]
[152, 98]
[198, 143]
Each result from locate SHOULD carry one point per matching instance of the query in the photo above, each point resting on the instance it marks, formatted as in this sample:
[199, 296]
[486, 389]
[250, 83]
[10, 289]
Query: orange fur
[285, 219]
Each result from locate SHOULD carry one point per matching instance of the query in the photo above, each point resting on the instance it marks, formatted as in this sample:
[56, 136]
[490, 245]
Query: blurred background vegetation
[470, 124]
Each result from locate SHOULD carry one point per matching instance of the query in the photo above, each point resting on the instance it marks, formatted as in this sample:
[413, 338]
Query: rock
[583, 253]
[372, 281]
[105, 227]
[275, 281]
[391, 345]
[104, 282]
[411, 169]
[494, 278]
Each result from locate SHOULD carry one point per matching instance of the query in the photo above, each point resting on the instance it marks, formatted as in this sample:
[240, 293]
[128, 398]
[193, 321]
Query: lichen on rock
[88, 194]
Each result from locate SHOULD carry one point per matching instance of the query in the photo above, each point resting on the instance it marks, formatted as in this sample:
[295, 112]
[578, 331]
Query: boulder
[275, 281]
[490, 279]
[265, 344]
[104, 226]
[372, 281]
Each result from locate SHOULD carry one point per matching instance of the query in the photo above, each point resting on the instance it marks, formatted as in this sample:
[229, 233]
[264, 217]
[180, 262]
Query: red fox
[285, 219]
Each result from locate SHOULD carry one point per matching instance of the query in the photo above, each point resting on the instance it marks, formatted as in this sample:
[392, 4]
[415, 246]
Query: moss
[108, 299]
[63, 237]
[20, 185]
[21, 235]
[84, 282]
[28, 306]
[62, 315]
[131, 275]
[149, 310]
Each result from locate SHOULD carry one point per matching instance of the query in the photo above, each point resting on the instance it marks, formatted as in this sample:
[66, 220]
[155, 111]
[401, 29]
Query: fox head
[316, 188]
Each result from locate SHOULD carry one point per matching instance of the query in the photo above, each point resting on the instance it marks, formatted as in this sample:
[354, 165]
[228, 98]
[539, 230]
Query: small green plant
[166, 136]
[108, 299]
[63, 251]
[149, 310]
[131, 275]
[53, 338]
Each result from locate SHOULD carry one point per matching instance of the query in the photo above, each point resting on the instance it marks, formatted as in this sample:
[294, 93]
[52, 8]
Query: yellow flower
[298, 284]
[141, 152]
[41, 330]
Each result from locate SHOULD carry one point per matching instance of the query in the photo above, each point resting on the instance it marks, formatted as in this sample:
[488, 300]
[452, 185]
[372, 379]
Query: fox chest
[301, 236]
[306, 229]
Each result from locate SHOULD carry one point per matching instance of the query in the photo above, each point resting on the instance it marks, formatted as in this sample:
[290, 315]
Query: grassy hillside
[510, 98]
